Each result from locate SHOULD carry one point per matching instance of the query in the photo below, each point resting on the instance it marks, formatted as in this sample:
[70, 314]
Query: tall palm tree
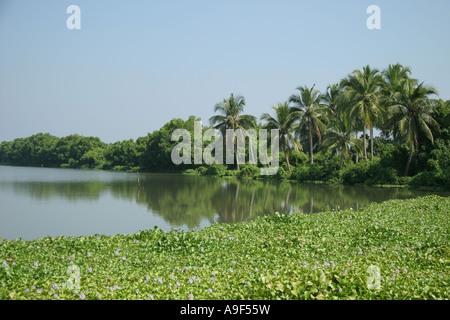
[231, 117]
[340, 137]
[333, 96]
[394, 76]
[362, 88]
[410, 108]
[285, 120]
[312, 113]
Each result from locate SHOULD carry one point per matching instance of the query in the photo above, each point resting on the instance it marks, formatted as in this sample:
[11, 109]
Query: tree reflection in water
[189, 200]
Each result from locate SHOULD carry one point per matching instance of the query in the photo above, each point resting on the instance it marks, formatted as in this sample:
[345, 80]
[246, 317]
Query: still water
[39, 202]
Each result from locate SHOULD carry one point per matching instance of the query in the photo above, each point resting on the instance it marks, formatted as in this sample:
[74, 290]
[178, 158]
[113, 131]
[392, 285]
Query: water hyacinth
[298, 252]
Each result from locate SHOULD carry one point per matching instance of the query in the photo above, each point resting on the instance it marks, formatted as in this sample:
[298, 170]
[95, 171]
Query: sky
[135, 65]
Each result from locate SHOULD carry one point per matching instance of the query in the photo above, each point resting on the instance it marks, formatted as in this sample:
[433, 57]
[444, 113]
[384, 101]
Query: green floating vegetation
[328, 255]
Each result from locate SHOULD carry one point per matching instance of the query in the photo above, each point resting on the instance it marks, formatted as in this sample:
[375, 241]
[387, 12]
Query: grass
[295, 256]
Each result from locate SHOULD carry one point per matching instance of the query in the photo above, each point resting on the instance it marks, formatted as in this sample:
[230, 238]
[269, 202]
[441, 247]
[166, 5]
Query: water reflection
[188, 200]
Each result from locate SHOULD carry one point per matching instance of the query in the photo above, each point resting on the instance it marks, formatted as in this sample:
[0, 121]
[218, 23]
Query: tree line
[326, 136]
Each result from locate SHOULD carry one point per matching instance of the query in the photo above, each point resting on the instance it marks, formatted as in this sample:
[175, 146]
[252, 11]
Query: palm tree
[394, 76]
[311, 112]
[231, 117]
[410, 108]
[285, 121]
[333, 96]
[362, 88]
[340, 138]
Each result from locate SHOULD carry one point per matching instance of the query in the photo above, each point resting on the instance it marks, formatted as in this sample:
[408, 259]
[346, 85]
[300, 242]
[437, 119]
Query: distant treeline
[324, 136]
[149, 153]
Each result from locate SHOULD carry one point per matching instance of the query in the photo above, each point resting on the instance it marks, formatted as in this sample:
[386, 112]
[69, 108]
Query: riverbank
[318, 256]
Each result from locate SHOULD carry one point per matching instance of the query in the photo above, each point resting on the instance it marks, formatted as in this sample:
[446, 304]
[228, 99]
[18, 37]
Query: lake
[39, 202]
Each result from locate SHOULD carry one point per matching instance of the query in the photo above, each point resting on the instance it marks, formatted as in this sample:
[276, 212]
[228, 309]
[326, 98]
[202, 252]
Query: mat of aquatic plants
[398, 249]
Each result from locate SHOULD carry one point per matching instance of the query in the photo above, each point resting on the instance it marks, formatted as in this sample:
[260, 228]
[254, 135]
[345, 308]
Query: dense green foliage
[320, 136]
[282, 256]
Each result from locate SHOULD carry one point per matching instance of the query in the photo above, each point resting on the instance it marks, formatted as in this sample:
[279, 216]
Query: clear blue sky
[134, 65]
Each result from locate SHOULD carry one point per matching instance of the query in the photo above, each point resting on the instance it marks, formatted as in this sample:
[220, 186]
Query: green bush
[191, 172]
[355, 173]
[427, 179]
[232, 173]
[370, 173]
[298, 158]
[300, 173]
[377, 174]
[249, 171]
[404, 180]
[282, 174]
[201, 170]
[216, 170]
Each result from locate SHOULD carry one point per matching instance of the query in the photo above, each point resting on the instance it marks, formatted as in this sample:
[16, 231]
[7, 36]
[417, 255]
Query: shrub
[355, 173]
[427, 179]
[232, 173]
[404, 180]
[378, 174]
[298, 158]
[370, 173]
[202, 170]
[300, 173]
[282, 174]
[191, 172]
[249, 171]
[216, 170]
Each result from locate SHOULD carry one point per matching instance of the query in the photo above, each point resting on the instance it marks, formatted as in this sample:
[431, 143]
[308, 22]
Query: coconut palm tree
[340, 137]
[312, 114]
[285, 120]
[362, 88]
[410, 108]
[231, 117]
[394, 76]
[333, 96]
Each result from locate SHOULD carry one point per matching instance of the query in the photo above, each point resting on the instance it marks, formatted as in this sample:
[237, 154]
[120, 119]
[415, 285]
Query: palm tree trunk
[364, 142]
[287, 161]
[311, 157]
[357, 155]
[236, 155]
[409, 160]
[371, 143]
